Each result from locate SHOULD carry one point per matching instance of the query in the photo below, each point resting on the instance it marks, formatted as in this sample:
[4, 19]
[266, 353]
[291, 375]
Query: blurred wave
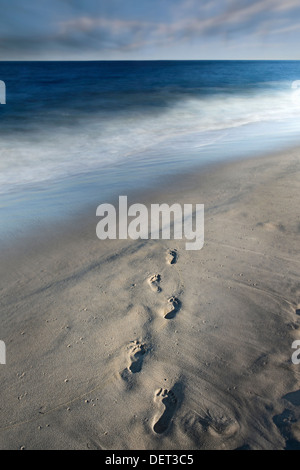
[69, 127]
[58, 137]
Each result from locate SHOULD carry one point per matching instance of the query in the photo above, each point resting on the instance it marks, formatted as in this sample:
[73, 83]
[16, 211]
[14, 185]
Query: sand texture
[145, 345]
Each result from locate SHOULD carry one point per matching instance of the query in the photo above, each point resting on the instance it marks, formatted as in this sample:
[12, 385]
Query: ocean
[80, 133]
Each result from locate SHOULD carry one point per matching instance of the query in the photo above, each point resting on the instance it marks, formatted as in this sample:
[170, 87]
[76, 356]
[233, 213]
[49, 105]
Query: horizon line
[147, 60]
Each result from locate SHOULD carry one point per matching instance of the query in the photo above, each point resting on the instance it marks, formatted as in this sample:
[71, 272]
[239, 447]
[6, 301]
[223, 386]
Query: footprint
[154, 282]
[171, 308]
[169, 400]
[137, 351]
[286, 423]
[171, 256]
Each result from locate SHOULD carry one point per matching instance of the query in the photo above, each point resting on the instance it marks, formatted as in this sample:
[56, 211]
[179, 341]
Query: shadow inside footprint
[169, 400]
[293, 397]
[172, 308]
[136, 357]
[171, 256]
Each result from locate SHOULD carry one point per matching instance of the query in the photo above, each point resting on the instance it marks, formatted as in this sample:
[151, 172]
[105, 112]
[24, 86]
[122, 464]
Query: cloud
[75, 27]
[259, 17]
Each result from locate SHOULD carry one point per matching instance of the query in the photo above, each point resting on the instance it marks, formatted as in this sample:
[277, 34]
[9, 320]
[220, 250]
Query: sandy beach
[99, 357]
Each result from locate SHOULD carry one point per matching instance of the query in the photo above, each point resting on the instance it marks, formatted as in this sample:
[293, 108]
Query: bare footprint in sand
[154, 281]
[137, 351]
[171, 256]
[171, 308]
[168, 399]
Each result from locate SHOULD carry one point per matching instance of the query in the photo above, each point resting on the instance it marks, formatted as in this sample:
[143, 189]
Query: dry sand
[98, 358]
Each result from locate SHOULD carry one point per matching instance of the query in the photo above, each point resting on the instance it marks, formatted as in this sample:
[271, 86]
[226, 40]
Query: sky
[149, 29]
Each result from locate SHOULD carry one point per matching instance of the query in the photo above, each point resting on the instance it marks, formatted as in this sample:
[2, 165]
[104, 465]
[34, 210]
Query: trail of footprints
[165, 400]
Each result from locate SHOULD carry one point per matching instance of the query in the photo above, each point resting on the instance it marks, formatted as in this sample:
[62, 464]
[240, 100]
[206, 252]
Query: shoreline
[77, 221]
[64, 210]
[90, 353]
